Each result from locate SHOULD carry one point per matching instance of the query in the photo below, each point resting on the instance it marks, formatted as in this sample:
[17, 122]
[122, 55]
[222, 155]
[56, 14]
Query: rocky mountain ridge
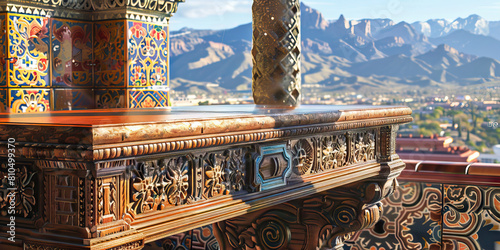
[347, 54]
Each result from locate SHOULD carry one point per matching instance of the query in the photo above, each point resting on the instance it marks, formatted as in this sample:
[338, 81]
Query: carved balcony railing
[439, 205]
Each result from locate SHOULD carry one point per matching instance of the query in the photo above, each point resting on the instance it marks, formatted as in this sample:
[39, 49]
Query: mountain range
[347, 54]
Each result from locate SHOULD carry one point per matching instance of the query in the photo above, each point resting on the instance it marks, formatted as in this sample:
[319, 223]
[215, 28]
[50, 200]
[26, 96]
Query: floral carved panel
[18, 190]
[155, 185]
[174, 181]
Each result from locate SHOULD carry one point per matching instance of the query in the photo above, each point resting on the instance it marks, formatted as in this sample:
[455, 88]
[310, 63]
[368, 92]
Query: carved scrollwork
[330, 216]
[270, 230]
[273, 234]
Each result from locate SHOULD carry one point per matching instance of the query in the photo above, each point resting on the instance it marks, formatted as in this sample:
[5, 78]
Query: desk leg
[321, 221]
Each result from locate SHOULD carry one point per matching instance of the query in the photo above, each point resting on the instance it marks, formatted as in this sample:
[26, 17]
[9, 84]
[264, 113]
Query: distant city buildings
[433, 148]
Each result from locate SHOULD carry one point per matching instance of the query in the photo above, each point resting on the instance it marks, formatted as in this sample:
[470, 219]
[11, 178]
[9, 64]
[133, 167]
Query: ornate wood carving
[179, 180]
[107, 199]
[362, 146]
[303, 157]
[90, 200]
[321, 153]
[158, 184]
[214, 170]
[18, 193]
[37, 246]
[173, 181]
[322, 221]
[333, 152]
[388, 143]
[66, 200]
[236, 168]
[128, 246]
[54, 155]
[82, 210]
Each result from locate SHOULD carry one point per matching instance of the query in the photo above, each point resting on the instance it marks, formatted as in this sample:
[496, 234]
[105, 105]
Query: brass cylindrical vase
[276, 52]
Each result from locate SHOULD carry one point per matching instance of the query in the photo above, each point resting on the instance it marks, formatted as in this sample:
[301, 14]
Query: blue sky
[203, 14]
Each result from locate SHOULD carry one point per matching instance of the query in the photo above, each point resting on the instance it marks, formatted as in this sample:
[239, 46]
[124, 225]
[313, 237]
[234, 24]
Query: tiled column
[147, 80]
[3, 63]
[27, 75]
[110, 53]
[131, 64]
[107, 59]
[71, 62]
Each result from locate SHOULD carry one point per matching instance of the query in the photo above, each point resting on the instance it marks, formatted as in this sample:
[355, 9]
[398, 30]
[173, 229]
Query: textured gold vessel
[276, 52]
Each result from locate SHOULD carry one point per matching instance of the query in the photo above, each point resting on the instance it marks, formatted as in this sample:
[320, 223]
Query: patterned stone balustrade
[124, 179]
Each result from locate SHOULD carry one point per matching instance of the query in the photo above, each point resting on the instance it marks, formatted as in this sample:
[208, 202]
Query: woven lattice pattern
[276, 52]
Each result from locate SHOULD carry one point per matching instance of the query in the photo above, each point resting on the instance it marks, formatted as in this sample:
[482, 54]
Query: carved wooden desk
[274, 179]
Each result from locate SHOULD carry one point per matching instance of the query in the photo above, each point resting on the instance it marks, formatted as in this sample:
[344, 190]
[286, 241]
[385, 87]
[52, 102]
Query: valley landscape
[361, 56]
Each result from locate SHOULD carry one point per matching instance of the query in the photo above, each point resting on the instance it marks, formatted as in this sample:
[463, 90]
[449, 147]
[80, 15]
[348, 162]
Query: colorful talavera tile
[147, 54]
[471, 217]
[28, 100]
[71, 59]
[109, 53]
[3, 100]
[411, 219]
[73, 99]
[3, 51]
[28, 51]
[148, 98]
[110, 98]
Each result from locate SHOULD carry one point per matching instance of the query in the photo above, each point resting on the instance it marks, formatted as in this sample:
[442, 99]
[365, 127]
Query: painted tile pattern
[110, 98]
[411, 220]
[73, 99]
[28, 49]
[197, 239]
[71, 58]
[109, 52]
[3, 100]
[471, 217]
[147, 54]
[148, 98]
[53, 53]
[3, 50]
[29, 100]
[435, 216]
